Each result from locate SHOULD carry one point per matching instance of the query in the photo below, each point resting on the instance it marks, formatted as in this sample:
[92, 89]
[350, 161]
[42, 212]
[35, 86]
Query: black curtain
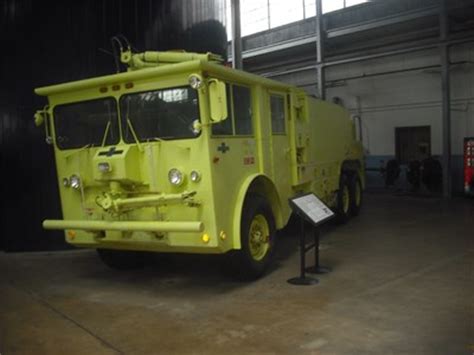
[49, 42]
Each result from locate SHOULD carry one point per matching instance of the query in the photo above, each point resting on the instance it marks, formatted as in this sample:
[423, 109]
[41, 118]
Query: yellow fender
[262, 184]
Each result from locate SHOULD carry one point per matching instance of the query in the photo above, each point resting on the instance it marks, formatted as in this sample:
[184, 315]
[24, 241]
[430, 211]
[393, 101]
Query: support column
[446, 98]
[236, 35]
[320, 36]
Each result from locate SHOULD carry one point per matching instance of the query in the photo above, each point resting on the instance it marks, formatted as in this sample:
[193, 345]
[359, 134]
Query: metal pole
[446, 97]
[303, 279]
[303, 250]
[236, 35]
[320, 50]
[269, 20]
[316, 248]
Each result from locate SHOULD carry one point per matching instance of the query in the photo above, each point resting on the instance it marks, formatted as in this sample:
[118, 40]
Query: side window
[224, 128]
[242, 110]
[277, 108]
[239, 108]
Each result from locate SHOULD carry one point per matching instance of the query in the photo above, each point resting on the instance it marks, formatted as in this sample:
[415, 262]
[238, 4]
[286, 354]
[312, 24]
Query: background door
[412, 143]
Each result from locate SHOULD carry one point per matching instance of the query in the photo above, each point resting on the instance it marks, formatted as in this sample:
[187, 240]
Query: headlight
[196, 127]
[104, 167]
[66, 182]
[75, 182]
[195, 176]
[175, 177]
[195, 81]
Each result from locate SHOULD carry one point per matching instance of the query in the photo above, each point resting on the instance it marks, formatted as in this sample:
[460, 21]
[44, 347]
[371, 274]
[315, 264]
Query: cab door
[277, 104]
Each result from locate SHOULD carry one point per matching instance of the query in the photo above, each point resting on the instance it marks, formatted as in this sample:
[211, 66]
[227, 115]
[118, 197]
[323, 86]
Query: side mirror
[217, 101]
[39, 118]
[42, 117]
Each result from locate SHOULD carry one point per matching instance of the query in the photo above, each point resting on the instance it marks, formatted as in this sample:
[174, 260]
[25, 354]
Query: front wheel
[257, 236]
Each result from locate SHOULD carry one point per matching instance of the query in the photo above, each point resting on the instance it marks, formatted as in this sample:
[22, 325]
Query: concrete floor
[402, 284]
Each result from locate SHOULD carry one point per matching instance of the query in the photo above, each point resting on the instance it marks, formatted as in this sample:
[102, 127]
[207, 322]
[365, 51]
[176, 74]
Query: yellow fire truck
[183, 154]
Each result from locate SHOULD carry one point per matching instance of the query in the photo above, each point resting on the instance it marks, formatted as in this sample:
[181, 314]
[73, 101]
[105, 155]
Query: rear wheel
[343, 200]
[257, 235]
[122, 259]
[355, 189]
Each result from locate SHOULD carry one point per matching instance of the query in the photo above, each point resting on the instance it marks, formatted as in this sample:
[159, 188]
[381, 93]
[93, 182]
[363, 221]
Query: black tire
[255, 256]
[343, 200]
[122, 259]
[355, 195]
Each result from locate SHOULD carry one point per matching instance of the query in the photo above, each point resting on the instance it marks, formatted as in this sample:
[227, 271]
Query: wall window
[277, 109]
[239, 108]
[254, 16]
[261, 15]
[284, 11]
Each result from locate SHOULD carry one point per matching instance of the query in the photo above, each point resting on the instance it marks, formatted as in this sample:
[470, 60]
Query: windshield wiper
[159, 139]
[130, 126]
[106, 133]
[154, 139]
[74, 152]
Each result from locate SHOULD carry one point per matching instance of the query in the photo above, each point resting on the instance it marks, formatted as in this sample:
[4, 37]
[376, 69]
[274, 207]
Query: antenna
[119, 41]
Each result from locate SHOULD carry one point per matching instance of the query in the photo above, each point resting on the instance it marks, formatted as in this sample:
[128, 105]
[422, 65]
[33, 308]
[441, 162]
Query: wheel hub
[259, 237]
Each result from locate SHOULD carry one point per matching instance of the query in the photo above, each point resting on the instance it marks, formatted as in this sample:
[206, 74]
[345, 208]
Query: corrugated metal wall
[47, 42]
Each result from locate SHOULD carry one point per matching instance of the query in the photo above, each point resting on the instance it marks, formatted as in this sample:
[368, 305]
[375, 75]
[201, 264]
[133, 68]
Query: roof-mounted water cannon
[152, 59]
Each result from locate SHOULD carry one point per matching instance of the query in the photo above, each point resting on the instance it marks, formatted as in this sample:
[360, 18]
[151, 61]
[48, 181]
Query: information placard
[311, 207]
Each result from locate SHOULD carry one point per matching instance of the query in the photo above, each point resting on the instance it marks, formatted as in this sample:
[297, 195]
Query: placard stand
[317, 268]
[303, 279]
[309, 208]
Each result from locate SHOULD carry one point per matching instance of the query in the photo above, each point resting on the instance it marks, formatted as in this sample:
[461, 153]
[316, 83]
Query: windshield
[87, 123]
[159, 114]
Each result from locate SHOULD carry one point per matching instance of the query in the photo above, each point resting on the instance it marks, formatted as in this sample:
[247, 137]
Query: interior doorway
[412, 143]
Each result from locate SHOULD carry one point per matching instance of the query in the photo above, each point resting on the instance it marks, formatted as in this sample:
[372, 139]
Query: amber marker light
[206, 238]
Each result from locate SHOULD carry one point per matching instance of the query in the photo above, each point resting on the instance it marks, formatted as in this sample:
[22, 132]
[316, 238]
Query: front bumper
[124, 226]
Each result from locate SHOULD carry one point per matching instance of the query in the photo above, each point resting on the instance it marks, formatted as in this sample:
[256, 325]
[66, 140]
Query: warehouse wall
[409, 96]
